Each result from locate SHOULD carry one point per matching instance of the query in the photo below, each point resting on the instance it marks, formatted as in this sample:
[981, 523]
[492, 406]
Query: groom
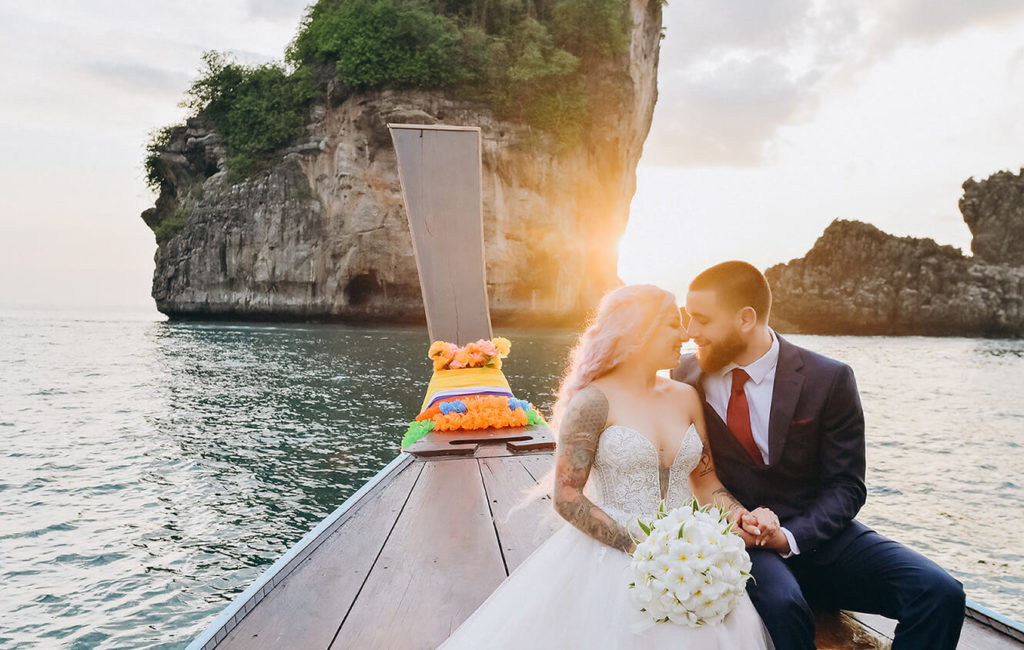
[787, 433]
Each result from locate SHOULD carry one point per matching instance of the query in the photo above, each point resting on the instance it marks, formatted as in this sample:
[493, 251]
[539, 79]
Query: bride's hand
[769, 524]
[745, 525]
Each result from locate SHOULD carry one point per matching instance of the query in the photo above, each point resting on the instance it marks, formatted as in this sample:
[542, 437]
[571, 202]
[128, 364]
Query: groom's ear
[746, 318]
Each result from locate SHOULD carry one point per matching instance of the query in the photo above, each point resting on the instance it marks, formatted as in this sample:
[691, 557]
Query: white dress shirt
[759, 389]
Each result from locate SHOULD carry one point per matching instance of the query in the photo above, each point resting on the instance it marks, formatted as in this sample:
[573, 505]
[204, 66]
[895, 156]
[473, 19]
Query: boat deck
[417, 550]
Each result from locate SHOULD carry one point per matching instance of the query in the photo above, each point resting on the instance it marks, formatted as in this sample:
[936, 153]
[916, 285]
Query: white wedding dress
[572, 592]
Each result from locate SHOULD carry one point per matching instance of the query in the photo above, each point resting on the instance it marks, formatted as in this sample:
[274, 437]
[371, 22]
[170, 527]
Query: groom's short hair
[738, 285]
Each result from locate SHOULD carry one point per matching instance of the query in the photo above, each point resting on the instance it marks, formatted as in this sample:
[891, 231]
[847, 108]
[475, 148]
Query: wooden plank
[440, 564]
[492, 451]
[435, 447]
[1004, 625]
[523, 520]
[539, 465]
[977, 636]
[541, 439]
[882, 626]
[840, 631]
[469, 443]
[306, 608]
[440, 174]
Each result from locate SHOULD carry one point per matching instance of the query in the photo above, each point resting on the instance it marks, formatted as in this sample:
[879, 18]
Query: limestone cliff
[859, 280]
[323, 233]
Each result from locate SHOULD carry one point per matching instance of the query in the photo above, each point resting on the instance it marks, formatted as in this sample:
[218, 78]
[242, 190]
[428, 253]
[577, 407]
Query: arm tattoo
[706, 465]
[579, 433]
[725, 498]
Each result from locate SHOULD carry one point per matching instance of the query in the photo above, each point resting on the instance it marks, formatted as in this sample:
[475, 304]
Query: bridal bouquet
[691, 569]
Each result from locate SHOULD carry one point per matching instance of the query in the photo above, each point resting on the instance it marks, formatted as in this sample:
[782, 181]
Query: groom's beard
[717, 355]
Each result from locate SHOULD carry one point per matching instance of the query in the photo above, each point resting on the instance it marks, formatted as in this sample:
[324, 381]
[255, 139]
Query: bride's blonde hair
[625, 319]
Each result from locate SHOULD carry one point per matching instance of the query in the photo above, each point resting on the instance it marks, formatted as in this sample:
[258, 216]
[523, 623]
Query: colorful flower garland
[477, 401]
[479, 354]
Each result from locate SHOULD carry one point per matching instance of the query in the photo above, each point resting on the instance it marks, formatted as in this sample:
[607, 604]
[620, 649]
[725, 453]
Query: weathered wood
[839, 631]
[443, 559]
[541, 439]
[467, 443]
[522, 519]
[441, 562]
[306, 609]
[439, 169]
[881, 626]
[438, 447]
[539, 465]
[976, 636]
[1002, 625]
[852, 630]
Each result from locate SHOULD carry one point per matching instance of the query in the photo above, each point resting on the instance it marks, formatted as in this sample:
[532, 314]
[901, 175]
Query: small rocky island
[279, 197]
[859, 280]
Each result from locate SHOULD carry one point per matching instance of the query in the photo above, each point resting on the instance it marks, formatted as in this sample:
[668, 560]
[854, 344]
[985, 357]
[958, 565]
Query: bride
[627, 438]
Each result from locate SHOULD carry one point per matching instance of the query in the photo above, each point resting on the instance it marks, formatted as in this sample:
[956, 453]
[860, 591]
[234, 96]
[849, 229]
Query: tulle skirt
[572, 593]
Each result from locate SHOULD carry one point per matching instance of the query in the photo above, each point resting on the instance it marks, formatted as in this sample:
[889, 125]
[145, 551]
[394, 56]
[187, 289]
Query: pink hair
[625, 319]
[624, 322]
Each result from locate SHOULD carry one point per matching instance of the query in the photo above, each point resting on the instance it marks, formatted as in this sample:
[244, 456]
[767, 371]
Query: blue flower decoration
[453, 406]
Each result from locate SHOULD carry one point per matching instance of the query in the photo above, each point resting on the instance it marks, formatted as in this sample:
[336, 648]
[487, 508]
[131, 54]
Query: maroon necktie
[737, 415]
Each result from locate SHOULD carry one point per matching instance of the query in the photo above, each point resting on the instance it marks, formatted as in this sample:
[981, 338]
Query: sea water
[150, 470]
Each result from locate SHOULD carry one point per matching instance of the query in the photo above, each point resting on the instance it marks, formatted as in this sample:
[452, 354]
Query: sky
[774, 118]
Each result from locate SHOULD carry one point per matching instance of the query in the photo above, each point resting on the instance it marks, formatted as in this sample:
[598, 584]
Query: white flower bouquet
[691, 569]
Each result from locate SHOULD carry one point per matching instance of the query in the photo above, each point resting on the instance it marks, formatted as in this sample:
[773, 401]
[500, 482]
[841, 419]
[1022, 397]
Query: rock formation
[859, 280]
[323, 234]
[994, 211]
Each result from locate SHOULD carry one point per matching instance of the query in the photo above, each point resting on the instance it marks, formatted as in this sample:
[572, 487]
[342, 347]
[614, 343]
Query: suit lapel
[692, 374]
[785, 394]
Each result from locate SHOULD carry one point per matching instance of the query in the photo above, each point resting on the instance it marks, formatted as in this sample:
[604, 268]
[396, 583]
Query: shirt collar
[759, 369]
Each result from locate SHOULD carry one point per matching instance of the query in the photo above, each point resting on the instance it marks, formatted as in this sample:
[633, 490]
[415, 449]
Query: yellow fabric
[464, 378]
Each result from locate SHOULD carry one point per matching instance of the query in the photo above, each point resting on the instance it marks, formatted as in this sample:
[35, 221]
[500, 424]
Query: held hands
[760, 529]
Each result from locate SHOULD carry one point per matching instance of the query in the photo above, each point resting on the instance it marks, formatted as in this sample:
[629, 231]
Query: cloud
[936, 19]
[733, 74]
[137, 77]
[728, 115]
[279, 10]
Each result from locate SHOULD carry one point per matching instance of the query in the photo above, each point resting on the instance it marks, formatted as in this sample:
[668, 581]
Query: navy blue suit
[814, 481]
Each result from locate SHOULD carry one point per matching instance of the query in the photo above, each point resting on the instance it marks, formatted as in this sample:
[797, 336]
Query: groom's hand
[778, 543]
[745, 525]
[771, 536]
[769, 524]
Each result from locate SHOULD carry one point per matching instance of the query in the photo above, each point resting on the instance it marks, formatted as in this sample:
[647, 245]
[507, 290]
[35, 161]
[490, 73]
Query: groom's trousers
[872, 574]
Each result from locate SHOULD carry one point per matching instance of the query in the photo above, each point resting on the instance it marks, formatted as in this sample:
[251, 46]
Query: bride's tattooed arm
[579, 432]
[708, 488]
[720, 495]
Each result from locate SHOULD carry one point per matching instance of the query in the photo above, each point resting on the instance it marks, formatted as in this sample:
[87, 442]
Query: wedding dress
[572, 592]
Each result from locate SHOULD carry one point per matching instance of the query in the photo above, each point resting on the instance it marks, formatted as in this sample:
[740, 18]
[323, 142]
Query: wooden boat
[410, 555]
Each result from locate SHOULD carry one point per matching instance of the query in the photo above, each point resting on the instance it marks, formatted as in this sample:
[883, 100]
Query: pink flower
[488, 348]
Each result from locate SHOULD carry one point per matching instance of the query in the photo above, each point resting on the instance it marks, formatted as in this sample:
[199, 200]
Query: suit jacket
[814, 479]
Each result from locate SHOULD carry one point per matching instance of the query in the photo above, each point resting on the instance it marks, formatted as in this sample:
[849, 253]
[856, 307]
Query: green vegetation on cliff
[544, 62]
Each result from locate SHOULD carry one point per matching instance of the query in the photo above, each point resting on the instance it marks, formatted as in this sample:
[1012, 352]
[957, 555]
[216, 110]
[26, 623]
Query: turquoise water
[150, 470]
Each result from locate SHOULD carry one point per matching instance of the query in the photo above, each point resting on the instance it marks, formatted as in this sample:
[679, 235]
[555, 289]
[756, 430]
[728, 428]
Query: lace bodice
[625, 473]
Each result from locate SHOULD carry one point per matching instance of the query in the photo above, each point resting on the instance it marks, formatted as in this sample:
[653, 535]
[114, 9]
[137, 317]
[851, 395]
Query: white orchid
[691, 568]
